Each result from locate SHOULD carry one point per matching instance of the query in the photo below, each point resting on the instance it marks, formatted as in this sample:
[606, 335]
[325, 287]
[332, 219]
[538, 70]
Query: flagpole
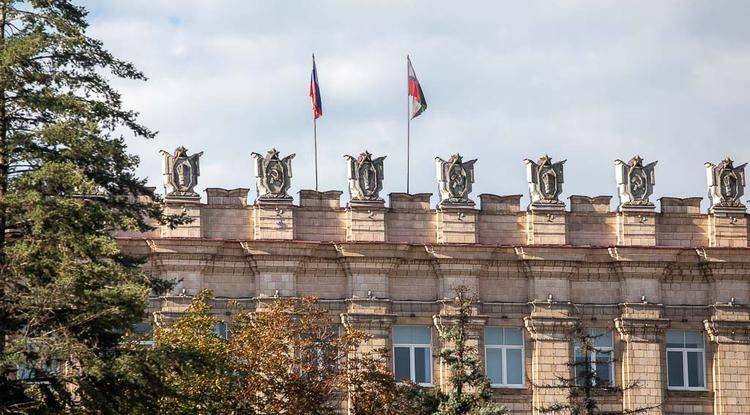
[408, 126]
[315, 140]
[315, 133]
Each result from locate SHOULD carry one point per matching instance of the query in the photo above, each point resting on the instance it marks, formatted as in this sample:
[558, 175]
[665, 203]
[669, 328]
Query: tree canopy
[67, 183]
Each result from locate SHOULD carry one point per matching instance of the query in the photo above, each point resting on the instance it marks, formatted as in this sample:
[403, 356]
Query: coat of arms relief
[545, 180]
[635, 182]
[180, 172]
[726, 184]
[365, 175]
[273, 175]
[455, 180]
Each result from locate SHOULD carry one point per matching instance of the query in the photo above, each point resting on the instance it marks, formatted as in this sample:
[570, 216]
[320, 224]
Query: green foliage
[469, 389]
[67, 293]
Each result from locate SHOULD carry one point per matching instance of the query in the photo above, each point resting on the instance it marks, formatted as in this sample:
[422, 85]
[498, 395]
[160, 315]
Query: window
[503, 356]
[221, 329]
[40, 374]
[145, 331]
[412, 354]
[596, 359]
[686, 360]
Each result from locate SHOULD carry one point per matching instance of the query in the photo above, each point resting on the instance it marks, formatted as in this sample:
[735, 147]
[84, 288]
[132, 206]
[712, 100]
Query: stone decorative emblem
[635, 182]
[455, 179]
[181, 173]
[273, 176]
[365, 177]
[545, 180]
[726, 184]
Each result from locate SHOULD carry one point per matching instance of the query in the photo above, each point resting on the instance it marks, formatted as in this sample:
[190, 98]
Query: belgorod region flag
[419, 103]
[317, 103]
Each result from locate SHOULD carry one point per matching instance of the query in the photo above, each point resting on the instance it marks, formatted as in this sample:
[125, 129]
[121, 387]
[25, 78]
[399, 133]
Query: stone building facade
[669, 289]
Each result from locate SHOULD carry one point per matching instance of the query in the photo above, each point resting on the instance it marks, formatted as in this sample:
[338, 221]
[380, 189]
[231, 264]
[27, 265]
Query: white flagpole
[315, 126]
[315, 138]
[408, 125]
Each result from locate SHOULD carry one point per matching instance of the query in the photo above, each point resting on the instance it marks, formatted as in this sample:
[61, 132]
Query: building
[668, 289]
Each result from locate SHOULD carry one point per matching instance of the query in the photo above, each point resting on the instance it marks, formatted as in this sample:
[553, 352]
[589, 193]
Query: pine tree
[586, 384]
[469, 389]
[67, 184]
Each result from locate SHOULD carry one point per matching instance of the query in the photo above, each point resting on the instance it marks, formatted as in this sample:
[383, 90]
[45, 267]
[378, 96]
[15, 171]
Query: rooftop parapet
[406, 201]
[223, 197]
[689, 205]
[495, 203]
[598, 204]
[327, 199]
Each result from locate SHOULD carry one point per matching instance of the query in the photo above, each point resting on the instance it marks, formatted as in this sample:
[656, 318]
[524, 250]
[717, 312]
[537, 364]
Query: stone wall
[637, 292]
[499, 221]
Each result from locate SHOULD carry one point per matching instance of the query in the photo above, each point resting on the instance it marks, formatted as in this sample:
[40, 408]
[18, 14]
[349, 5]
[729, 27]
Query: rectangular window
[221, 329]
[686, 360]
[503, 354]
[596, 360]
[412, 354]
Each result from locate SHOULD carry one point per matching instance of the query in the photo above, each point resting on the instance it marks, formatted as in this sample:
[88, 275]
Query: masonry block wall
[398, 262]
[499, 221]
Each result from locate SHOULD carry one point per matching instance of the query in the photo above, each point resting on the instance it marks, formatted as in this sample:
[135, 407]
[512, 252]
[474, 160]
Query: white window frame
[593, 360]
[504, 348]
[684, 352]
[412, 361]
[219, 327]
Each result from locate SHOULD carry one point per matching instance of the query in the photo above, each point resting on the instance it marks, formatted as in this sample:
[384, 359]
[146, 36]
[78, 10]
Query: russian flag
[317, 103]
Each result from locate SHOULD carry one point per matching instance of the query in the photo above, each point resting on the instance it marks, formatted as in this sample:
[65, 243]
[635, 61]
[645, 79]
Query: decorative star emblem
[273, 153]
[455, 158]
[366, 155]
[637, 160]
[546, 159]
[728, 162]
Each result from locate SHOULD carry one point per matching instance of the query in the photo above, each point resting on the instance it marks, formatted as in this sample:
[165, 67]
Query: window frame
[504, 360]
[684, 353]
[412, 360]
[592, 360]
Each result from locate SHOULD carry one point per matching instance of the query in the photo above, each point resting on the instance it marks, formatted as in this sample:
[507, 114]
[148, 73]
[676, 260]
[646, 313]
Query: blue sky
[586, 81]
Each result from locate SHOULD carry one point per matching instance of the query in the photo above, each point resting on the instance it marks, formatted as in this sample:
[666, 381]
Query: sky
[587, 81]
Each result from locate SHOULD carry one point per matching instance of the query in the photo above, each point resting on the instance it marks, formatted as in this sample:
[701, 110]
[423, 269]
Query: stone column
[643, 359]
[729, 331]
[550, 325]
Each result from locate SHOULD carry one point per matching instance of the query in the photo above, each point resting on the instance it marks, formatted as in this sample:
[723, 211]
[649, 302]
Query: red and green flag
[418, 101]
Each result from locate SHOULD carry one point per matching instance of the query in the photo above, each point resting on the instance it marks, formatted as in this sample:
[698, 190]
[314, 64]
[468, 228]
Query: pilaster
[365, 221]
[374, 317]
[546, 225]
[727, 227]
[456, 224]
[447, 319]
[550, 326]
[729, 331]
[642, 328]
[191, 209]
[273, 220]
[636, 225]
